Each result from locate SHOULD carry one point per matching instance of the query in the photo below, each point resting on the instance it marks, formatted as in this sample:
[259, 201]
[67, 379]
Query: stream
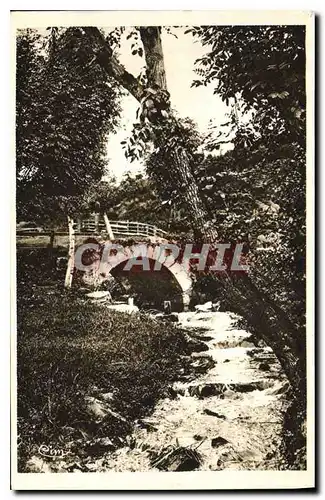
[231, 415]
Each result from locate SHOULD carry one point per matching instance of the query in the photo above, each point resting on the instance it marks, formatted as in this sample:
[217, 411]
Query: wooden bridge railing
[121, 228]
[95, 226]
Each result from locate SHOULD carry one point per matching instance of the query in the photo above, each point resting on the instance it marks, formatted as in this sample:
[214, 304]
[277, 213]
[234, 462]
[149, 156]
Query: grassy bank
[71, 352]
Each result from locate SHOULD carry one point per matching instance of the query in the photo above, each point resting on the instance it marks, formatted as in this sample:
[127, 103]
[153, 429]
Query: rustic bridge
[110, 231]
[151, 240]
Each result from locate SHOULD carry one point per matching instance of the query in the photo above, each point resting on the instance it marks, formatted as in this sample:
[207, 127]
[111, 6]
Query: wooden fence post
[97, 223]
[70, 267]
[50, 248]
[108, 227]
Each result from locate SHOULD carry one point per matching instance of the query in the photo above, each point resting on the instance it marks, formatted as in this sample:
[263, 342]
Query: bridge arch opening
[151, 284]
[152, 287]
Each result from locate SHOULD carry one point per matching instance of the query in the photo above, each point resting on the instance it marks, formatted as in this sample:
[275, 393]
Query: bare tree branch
[113, 67]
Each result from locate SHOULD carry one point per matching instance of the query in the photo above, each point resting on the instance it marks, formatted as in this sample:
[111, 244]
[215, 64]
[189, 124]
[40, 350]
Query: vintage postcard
[162, 297]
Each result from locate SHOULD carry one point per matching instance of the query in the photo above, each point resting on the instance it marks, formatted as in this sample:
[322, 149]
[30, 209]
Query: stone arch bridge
[140, 249]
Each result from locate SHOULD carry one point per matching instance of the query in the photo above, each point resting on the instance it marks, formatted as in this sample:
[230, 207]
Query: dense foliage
[65, 110]
[256, 192]
[261, 203]
[262, 70]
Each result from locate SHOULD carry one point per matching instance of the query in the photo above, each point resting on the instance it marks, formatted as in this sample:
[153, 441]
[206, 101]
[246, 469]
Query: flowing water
[231, 415]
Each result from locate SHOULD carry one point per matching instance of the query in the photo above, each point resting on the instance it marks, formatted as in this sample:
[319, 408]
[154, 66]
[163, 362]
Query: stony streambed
[229, 417]
[226, 414]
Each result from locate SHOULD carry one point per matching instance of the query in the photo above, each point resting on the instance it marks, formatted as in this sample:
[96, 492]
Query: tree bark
[150, 36]
[186, 184]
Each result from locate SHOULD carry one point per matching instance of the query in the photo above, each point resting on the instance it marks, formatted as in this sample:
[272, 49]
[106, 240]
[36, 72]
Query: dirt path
[231, 415]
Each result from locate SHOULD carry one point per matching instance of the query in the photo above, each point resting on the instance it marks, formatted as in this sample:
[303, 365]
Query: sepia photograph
[163, 228]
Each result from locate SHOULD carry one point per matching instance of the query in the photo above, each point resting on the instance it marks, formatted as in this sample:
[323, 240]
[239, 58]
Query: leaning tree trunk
[179, 160]
[270, 323]
[185, 183]
[269, 320]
